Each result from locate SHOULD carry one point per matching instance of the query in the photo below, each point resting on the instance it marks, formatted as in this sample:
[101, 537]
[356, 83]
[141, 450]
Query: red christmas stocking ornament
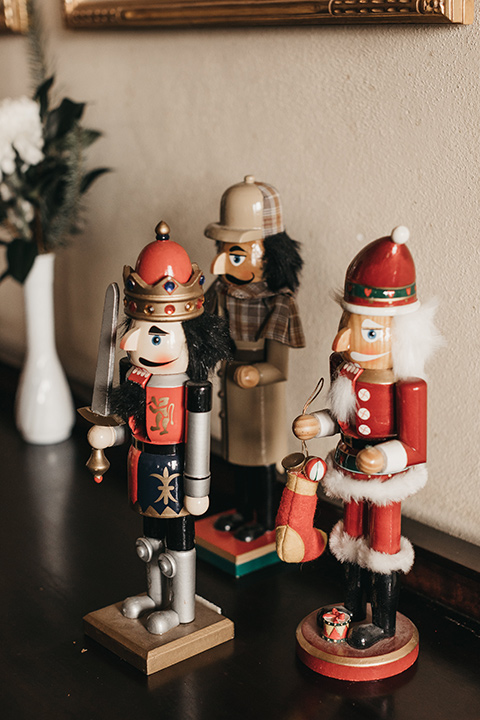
[296, 538]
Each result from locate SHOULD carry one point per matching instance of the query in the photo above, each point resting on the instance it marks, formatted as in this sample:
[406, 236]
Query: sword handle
[98, 464]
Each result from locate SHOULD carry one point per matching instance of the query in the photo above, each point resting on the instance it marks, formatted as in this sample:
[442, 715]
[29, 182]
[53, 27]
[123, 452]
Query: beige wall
[360, 128]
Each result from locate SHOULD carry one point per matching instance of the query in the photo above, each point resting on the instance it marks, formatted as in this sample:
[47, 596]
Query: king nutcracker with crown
[378, 404]
[164, 404]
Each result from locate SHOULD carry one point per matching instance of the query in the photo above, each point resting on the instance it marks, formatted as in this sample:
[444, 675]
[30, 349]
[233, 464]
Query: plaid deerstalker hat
[249, 211]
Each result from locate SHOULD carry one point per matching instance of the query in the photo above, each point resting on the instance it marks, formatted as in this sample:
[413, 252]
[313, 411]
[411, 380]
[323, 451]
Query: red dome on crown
[165, 285]
[163, 257]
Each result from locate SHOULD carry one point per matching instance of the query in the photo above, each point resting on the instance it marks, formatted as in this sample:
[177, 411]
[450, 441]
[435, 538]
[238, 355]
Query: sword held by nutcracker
[99, 412]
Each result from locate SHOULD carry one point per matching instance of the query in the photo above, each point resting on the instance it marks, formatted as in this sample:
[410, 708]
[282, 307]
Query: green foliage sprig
[40, 203]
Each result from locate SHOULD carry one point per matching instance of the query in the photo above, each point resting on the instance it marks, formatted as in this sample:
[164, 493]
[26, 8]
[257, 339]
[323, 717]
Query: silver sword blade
[106, 353]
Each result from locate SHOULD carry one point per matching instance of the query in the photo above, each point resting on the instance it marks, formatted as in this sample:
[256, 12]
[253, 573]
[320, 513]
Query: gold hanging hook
[316, 392]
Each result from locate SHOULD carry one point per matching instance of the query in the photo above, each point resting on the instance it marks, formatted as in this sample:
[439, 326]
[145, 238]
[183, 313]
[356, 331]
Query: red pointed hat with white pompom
[381, 279]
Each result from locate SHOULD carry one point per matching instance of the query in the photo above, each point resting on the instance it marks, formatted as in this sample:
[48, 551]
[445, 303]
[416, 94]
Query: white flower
[27, 211]
[20, 130]
[5, 192]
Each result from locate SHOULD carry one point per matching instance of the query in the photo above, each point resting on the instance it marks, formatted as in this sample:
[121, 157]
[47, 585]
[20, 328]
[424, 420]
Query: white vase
[44, 407]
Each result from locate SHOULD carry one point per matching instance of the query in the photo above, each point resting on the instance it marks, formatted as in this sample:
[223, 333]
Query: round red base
[338, 660]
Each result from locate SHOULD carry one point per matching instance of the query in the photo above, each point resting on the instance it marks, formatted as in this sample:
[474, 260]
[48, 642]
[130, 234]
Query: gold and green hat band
[387, 301]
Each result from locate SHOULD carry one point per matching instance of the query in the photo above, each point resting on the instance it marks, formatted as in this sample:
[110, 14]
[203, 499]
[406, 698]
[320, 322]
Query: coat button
[364, 430]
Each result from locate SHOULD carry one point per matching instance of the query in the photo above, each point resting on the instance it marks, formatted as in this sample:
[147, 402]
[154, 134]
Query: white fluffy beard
[342, 399]
[414, 338]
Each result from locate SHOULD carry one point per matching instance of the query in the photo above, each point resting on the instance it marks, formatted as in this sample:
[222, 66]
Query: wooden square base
[130, 640]
[231, 555]
[387, 658]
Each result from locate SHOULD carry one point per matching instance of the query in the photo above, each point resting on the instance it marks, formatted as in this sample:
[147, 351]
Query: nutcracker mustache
[236, 281]
[364, 357]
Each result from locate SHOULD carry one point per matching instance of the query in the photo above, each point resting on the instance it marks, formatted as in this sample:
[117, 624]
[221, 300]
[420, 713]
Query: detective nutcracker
[165, 403]
[258, 267]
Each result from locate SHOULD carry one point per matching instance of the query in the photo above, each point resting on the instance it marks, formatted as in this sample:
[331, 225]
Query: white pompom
[400, 235]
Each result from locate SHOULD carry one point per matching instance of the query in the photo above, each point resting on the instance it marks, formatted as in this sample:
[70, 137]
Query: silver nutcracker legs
[170, 587]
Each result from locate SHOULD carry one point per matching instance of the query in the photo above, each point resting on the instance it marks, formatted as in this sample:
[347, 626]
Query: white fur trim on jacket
[339, 484]
[356, 550]
[342, 399]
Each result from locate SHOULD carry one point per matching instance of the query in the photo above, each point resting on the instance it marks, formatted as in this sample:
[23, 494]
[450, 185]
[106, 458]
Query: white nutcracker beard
[342, 399]
[414, 338]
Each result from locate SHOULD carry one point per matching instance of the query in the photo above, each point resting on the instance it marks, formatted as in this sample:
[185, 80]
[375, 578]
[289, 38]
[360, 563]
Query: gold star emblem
[165, 488]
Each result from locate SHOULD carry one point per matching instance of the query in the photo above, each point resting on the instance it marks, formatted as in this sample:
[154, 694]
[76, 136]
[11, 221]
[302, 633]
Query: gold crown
[167, 300]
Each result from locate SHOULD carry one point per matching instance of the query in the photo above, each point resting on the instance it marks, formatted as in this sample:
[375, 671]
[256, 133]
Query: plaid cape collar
[256, 312]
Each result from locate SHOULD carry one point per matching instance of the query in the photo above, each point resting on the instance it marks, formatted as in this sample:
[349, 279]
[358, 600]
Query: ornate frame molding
[193, 13]
[13, 16]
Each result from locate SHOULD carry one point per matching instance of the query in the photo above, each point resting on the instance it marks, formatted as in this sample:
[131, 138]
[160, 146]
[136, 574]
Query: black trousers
[177, 533]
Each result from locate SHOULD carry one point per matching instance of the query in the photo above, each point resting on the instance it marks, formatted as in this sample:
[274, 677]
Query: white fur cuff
[346, 548]
[395, 456]
[339, 484]
[328, 426]
[384, 563]
[343, 546]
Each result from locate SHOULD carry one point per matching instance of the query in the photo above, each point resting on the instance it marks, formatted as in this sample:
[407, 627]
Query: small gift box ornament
[335, 625]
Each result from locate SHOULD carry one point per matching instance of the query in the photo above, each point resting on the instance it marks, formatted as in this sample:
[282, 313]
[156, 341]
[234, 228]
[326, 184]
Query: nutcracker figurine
[165, 402]
[258, 266]
[378, 404]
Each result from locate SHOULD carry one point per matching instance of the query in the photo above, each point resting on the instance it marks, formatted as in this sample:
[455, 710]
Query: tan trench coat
[254, 420]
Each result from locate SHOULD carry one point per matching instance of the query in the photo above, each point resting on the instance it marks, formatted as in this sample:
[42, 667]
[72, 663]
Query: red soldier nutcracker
[378, 401]
[165, 403]
[258, 266]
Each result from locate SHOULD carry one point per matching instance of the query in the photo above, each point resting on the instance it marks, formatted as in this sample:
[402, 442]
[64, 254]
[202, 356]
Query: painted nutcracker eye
[372, 334]
[156, 335]
[237, 260]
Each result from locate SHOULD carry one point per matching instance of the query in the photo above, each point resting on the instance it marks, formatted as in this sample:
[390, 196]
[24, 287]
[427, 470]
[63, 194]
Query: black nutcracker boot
[243, 502]
[385, 589]
[261, 504]
[356, 579]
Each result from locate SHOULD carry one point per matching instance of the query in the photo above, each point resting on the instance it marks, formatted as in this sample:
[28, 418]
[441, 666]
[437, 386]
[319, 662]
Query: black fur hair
[129, 400]
[208, 342]
[282, 262]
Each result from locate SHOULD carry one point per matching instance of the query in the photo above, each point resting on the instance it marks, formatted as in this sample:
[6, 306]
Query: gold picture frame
[13, 16]
[193, 13]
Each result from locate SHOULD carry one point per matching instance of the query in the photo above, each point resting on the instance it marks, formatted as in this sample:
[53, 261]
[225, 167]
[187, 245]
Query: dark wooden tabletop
[67, 548]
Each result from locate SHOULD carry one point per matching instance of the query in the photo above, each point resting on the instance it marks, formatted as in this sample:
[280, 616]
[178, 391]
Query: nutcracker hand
[305, 427]
[196, 506]
[101, 436]
[246, 376]
[371, 460]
